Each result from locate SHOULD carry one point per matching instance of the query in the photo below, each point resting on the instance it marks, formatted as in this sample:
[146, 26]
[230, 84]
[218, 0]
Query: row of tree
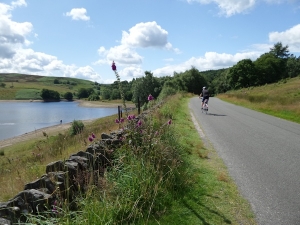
[270, 67]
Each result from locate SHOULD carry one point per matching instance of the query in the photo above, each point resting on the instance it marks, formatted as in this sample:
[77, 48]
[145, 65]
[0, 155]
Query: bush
[76, 127]
[1, 152]
[93, 97]
[68, 96]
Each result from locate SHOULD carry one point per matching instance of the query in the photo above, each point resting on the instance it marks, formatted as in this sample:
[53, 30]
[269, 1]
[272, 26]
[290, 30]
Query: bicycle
[205, 106]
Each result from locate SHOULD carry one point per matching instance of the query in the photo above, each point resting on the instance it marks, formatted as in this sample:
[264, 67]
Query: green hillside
[281, 99]
[24, 87]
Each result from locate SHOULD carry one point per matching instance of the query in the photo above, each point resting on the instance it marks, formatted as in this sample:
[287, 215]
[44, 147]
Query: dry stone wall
[63, 180]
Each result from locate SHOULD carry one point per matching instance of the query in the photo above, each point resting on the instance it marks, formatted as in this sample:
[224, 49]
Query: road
[262, 154]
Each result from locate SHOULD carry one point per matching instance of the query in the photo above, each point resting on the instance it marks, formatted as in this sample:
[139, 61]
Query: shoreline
[39, 133]
[59, 127]
[83, 103]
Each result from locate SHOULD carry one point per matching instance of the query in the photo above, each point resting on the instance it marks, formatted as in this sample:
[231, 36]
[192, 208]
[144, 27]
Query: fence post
[139, 106]
[119, 112]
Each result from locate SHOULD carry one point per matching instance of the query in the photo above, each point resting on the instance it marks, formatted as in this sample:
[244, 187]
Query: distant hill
[15, 86]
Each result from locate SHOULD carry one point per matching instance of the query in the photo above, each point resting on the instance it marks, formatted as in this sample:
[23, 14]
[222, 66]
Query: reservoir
[17, 118]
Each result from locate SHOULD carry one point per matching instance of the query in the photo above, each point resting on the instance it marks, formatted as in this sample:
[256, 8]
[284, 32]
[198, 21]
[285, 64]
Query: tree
[280, 51]
[56, 81]
[85, 92]
[50, 95]
[293, 66]
[269, 68]
[68, 96]
[243, 74]
[144, 86]
[193, 81]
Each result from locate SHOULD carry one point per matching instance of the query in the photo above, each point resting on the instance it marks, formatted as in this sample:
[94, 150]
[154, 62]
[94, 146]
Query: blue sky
[81, 38]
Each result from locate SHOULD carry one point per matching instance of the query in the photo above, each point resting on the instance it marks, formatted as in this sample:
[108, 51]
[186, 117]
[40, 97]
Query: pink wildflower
[122, 120]
[93, 135]
[129, 117]
[117, 121]
[169, 122]
[91, 138]
[150, 97]
[139, 123]
[113, 66]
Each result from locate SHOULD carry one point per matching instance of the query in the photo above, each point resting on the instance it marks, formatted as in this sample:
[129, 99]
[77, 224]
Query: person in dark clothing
[205, 95]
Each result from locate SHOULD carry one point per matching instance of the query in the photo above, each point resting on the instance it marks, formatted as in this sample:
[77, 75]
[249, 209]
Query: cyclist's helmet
[204, 87]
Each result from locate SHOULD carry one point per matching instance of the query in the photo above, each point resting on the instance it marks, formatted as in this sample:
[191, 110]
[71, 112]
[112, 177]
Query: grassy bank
[280, 99]
[160, 176]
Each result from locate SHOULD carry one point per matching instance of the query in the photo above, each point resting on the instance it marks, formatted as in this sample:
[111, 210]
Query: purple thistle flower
[150, 97]
[113, 66]
[129, 117]
[122, 120]
[139, 123]
[90, 138]
[117, 121]
[93, 135]
[133, 117]
[169, 122]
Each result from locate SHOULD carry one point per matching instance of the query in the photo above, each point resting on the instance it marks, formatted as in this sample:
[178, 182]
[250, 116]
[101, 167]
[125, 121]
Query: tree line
[270, 67]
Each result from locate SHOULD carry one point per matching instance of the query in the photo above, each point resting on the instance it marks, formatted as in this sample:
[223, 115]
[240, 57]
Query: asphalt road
[262, 154]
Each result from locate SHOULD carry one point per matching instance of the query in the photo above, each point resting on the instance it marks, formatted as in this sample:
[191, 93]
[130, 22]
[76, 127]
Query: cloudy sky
[81, 38]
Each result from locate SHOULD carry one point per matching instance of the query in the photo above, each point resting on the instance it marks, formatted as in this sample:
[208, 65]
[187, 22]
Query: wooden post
[119, 112]
[139, 106]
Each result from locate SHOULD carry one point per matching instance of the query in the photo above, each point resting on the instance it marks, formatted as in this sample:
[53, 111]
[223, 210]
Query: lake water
[17, 118]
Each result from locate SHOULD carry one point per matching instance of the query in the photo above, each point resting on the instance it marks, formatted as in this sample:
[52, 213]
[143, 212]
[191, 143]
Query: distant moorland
[28, 87]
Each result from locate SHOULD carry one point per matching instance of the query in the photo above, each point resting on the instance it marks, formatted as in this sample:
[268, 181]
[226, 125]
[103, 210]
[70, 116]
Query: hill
[281, 99]
[15, 86]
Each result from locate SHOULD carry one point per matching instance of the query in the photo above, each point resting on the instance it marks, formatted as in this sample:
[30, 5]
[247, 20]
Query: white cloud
[16, 58]
[131, 72]
[19, 3]
[144, 35]
[102, 51]
[229, 7]
[12, 34]
[290, 37]
[78, 14]
[210, 61]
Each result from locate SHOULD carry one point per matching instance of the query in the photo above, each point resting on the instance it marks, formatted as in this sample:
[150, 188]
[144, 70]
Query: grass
[161, 176]
[20, 86]
[26, 161]
[280, 99]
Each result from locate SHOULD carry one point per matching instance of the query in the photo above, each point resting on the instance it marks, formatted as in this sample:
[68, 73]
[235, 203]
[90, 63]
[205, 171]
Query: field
[280, 99]
[28, 87]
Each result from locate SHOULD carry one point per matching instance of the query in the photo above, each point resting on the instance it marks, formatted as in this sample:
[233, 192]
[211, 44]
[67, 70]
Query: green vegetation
[25, 94]
[76, 127]
[281, 99]
[50, 95]
[160, 176]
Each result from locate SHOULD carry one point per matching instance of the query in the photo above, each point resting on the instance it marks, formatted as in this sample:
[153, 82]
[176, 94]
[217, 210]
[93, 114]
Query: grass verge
[213, 197]
[280, 99]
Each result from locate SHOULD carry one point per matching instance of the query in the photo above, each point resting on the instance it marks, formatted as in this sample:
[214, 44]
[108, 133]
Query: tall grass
[280, 99]
[162, 174]
[26, 161]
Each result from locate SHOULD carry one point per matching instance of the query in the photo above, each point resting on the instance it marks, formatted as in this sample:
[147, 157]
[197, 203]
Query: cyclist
[205, 95]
